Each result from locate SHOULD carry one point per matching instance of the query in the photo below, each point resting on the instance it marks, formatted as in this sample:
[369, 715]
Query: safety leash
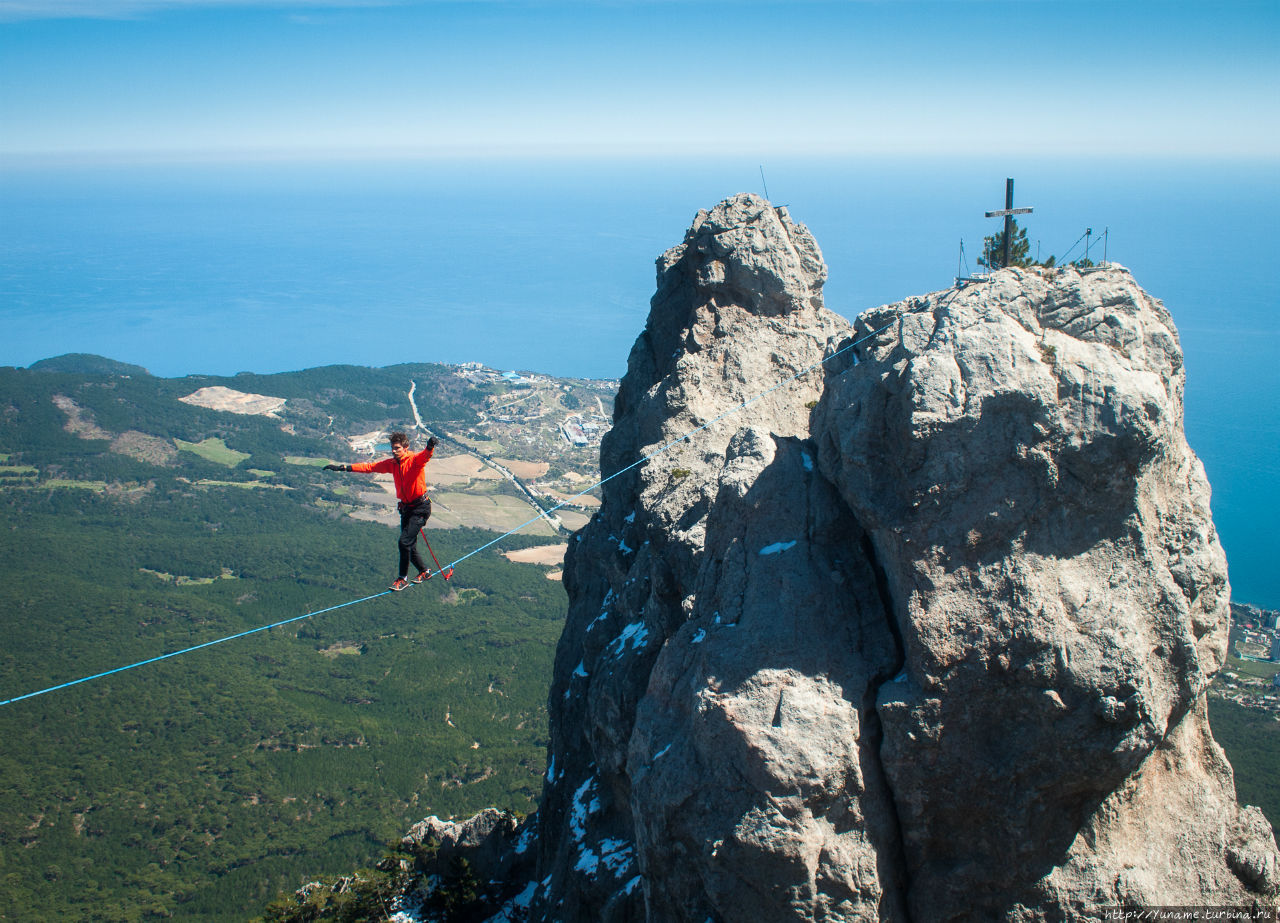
[446, 572]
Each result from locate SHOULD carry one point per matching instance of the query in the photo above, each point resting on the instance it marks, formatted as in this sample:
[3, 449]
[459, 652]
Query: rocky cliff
[921, 633]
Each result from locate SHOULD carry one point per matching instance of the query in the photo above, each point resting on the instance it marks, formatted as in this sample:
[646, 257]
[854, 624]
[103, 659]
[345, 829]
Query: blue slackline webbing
[188, 650]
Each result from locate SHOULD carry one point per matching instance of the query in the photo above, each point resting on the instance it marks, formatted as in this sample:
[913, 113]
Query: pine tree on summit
[1019, 250]
[993, 248]
[408, 468]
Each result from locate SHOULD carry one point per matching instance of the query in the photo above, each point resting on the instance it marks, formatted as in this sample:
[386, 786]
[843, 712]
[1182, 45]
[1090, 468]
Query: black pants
[412, 518]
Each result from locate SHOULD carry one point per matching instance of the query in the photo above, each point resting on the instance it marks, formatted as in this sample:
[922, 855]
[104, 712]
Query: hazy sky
[306, 78]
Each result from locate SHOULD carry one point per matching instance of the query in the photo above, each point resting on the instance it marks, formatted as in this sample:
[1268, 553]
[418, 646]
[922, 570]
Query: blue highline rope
[188, 650]
[490, 544]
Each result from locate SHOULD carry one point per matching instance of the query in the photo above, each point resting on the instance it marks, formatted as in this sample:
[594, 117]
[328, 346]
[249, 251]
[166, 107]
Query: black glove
[337, 467]
[431, 443]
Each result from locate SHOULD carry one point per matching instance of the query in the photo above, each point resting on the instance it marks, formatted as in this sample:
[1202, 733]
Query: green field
[70, 484]
[572, 519]
[492, 510]
[485, 446]
[211, 482]
[1251, 667]
[214, 450]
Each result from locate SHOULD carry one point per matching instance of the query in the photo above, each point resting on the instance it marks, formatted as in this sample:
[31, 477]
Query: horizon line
[34, 159]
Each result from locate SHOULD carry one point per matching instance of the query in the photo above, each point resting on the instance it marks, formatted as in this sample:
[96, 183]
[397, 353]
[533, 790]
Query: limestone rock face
[906, 619]
[639, 574]
[492, 849]
[1015, 451]
[492, 842]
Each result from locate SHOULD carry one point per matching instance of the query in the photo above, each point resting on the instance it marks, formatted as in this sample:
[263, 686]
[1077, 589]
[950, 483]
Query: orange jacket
[410, 474]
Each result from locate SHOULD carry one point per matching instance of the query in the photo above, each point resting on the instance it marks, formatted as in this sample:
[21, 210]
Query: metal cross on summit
[1007, 213]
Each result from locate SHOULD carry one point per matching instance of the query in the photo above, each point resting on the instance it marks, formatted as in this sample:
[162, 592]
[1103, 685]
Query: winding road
[530, 495]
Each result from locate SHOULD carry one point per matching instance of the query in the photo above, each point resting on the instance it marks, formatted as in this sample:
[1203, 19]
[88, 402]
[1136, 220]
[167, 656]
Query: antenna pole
[763, 183]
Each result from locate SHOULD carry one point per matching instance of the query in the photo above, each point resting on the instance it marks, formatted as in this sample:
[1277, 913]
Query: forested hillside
[133, 524]
[1251, 739]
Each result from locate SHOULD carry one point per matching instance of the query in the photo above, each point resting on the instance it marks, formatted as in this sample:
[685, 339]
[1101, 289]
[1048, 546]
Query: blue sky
[303, 79]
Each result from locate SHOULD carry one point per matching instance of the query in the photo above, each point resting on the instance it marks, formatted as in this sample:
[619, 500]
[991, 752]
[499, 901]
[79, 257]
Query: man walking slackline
[408, 468]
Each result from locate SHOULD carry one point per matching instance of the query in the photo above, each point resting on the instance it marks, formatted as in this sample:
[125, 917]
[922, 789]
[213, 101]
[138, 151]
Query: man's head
[399, 444]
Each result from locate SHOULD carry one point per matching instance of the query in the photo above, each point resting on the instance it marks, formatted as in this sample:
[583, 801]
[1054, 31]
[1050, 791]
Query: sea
[547, 265]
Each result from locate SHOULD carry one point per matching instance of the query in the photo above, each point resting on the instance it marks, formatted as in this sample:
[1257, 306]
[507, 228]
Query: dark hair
[398, 437]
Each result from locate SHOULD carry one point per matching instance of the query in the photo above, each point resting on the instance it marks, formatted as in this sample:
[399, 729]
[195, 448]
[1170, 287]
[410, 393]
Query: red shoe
[423, 576]
[400, 584]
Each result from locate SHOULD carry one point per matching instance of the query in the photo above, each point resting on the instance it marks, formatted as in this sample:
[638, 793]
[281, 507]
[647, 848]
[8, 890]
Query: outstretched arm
[385, 466]
[421, 458]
